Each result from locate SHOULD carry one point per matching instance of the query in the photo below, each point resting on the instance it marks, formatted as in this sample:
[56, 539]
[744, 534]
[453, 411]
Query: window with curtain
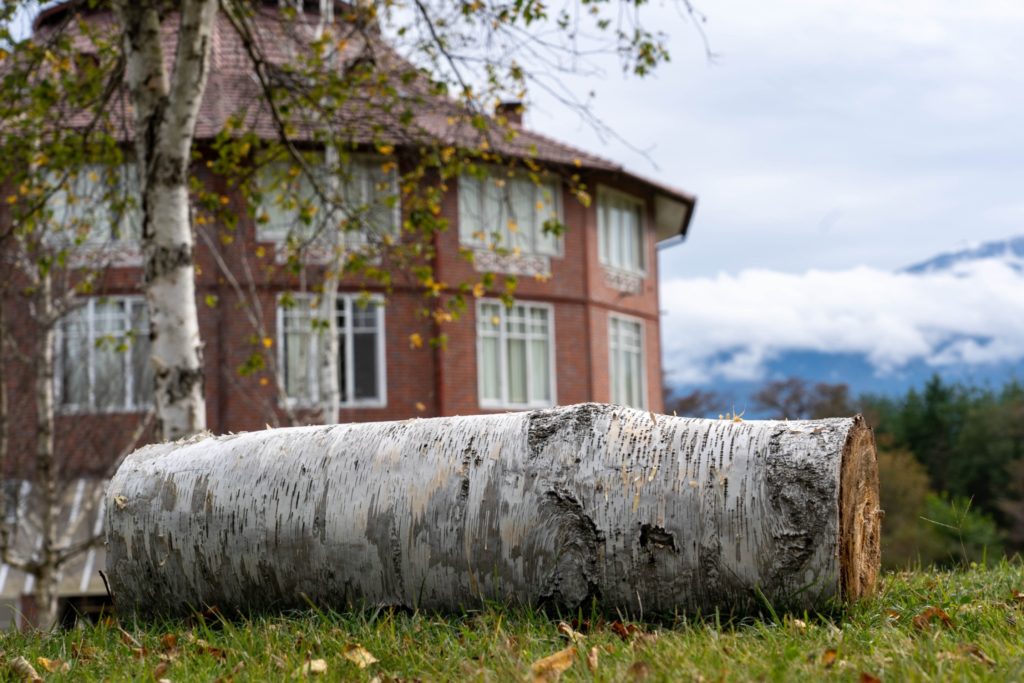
[515, 355]
[627, 369]
[509, 213]
[96, 205]
[620, 238]
[361, 373]
[368, 201]
[103, 357]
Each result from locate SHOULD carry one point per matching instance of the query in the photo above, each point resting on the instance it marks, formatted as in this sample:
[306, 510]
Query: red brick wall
[420, 382]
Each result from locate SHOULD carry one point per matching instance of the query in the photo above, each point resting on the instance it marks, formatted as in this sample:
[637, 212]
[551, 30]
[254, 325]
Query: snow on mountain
[1009, 251]
[960, 314]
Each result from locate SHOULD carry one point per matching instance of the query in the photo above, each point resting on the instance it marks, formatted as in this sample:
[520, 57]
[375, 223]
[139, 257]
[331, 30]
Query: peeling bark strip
[548, 507]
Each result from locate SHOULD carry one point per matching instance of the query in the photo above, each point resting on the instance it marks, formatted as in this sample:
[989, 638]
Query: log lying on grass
[647, 514]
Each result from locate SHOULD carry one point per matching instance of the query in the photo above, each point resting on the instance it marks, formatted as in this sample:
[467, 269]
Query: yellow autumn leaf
[53, 665]
[415, 340]
[261, 252]
[478, 290]
[386, 149]
[420, 406]
[550, 668]
[264, 381]
[358, 655]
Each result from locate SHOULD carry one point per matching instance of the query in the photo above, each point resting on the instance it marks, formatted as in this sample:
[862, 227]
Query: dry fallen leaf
[638, 671]
[799, 624]
[828, 658]
[931, 615]
[624, 631]
[592, 660]
[868, 678]
[566, 630]
[24, 670]
[313, 667]
[1018, 598]
[120, 502]
[160, 670]
[53, 665]
[168, 641]
[550, 668]
[358, 655]
[976, 652]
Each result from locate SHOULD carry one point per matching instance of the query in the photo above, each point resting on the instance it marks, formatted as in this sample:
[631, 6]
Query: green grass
[982, 640]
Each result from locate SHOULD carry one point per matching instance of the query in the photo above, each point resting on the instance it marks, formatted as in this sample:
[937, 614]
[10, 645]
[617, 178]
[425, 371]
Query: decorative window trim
[90, 408]
[349, 359]
[612, 348]
[503, 377]
[607, 194]
[506, 253]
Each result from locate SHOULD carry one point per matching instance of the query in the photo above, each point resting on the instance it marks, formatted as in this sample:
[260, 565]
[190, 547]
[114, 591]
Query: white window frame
[351, 301]
[606, 195]
[503, 402]
[470, 233]
[90, 407]
[361, 166]
[612, 348]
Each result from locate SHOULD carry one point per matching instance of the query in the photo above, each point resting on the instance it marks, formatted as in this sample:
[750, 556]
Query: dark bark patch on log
[575, 578]
[168, 494]
[657, 538]
[802, 494]
[543, 424]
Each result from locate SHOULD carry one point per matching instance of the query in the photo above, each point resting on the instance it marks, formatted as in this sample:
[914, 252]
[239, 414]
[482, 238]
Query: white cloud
[730, 326]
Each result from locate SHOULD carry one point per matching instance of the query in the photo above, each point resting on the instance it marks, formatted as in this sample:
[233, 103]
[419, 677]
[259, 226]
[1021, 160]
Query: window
[515, 355]
[620, 235]
[627, 369]
[291, 206]
[96, 205]
[361, 375]
[510, 213]
[103, 358]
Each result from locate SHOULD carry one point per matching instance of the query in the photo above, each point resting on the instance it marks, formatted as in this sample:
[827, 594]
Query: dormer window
[620, 243]
[95, 205]
[362, 203]
[514, 214]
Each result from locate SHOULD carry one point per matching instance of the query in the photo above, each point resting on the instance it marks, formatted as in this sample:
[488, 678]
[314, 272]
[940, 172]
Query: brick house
[584, 326]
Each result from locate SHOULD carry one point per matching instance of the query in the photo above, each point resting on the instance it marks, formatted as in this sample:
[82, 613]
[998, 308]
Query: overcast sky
[830, 143]
[827, 133]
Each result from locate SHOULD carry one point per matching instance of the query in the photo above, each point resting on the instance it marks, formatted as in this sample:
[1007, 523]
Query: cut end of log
[860, 514]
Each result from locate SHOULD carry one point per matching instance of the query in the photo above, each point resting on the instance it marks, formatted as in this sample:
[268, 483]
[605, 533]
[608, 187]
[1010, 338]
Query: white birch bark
[547, 507]
[330, 390]
[46, 574]
[166, 107]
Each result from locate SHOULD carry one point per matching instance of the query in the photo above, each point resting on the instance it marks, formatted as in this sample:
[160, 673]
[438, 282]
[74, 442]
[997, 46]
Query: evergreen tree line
[950, 456]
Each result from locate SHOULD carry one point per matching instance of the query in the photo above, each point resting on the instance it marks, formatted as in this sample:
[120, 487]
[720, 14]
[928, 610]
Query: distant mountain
[1010, 251]
[857, 371]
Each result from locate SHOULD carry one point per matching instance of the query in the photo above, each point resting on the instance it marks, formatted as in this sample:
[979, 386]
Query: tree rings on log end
[860, 514]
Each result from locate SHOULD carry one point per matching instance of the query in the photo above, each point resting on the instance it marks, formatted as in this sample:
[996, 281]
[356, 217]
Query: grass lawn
[948, 626]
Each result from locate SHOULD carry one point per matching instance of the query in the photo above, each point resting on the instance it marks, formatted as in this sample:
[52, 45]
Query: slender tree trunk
[644, 513]
[46, 474]
[166, 108]
[330, 389]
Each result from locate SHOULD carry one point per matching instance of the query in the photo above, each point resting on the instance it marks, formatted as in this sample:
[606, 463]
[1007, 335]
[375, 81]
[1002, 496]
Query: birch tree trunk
[46, 576]
[165, 116]
[547, 507]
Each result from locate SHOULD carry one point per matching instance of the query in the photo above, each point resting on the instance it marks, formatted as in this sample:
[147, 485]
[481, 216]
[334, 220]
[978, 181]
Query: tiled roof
[233, 89]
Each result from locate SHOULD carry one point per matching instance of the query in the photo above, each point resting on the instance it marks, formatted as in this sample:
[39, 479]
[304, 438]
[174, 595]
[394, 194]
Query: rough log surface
[648, 514]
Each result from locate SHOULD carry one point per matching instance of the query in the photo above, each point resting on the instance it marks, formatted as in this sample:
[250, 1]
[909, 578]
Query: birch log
[647, 514]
